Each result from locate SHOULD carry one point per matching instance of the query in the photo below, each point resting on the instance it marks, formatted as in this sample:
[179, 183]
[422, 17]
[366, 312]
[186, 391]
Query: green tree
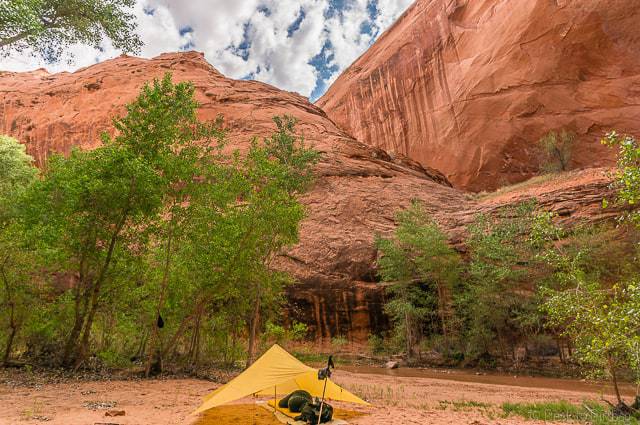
[161, 127]
[244, 214]
[580, 301]
[419, 268]
[496, 304]
[627, 176]
[604, 323]
[17, 173]
[557, 149]
[92, 208]
[49, 27]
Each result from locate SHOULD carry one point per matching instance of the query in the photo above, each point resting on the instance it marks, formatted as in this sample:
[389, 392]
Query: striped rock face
[468, 87]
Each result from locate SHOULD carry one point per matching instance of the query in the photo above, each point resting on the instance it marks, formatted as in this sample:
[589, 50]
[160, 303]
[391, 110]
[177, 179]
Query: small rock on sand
[392, 364]
[115, 413]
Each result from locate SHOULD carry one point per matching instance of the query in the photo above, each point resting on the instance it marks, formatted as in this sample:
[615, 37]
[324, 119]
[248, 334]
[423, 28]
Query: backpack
[310, 412]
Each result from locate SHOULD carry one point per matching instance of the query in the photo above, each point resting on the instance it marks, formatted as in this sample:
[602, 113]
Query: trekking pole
[322, 402]
[325, 374]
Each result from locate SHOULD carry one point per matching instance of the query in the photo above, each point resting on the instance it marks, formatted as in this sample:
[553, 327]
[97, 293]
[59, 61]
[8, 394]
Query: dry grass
[534, 181]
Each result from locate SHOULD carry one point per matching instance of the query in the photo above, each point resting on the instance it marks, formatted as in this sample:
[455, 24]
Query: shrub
[557, 149]
[376, 344]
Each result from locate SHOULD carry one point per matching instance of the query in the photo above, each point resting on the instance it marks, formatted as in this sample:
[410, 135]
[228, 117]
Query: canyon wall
[357, 193]
[469, 86]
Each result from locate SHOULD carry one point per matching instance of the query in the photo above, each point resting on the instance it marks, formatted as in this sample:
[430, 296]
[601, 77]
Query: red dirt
[396, 401]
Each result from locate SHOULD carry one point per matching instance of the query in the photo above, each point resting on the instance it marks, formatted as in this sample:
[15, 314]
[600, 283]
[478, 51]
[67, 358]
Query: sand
[397, 400]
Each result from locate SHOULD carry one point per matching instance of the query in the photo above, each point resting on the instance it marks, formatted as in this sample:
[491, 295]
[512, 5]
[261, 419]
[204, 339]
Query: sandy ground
[397, 400]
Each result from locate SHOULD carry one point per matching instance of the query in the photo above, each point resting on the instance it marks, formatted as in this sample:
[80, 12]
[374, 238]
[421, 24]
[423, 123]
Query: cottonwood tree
[496, 306]
[48, 27]
[417, 255]
[243, 214]
[603, 322]
[90, 208]
[17, 173]
[162, 128]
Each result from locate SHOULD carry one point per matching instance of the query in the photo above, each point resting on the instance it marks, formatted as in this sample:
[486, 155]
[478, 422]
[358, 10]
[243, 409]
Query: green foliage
[157, 222]
[600, 319]
[627, 177]
[557, 149]
[375, 344]
[17, 172]
[419, 268]
[275, 333]
[604, 323]
[17, 262]
[48, 27]
[298, 331]
[495, 305]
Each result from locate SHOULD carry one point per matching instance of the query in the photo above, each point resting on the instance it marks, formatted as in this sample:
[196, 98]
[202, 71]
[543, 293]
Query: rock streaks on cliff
[468, 86]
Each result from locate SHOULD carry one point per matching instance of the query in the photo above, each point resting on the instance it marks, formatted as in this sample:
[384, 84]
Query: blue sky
[296, 45]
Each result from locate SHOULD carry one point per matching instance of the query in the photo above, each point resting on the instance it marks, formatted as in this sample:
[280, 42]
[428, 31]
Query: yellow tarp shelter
[276, 373]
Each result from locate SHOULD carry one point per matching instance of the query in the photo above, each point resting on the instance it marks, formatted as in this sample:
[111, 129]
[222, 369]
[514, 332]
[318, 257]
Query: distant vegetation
[155, 247]
[557, 149]
[524, 287]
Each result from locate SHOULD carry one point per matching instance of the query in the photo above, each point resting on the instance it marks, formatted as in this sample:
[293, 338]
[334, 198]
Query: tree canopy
[48, 27]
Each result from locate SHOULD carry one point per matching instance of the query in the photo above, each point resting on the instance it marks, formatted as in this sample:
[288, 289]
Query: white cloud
[249, 37]
[389, 11]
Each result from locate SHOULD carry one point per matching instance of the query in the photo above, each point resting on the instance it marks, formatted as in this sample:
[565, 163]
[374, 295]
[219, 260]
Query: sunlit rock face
[469, 86]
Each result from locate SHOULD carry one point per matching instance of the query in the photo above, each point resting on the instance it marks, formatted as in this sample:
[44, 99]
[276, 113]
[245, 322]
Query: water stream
[566, 384]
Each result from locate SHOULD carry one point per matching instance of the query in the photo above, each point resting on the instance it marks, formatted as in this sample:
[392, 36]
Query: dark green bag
[299, 397]
[310, 413]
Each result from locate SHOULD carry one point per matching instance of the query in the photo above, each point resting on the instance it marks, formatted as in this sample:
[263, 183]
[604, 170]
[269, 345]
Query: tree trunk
[560, 350]
[154, 346]
[9, 346]
[83, 348]
[408, 335]
[443, 319]
[13, 325]
[194, 350]
[72, 340]
[253, 330]
[614, 378]
[95, 293]
[81, 300]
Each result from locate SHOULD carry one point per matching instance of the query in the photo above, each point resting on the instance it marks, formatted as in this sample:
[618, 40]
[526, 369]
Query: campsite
[395, 400]
[310, 212]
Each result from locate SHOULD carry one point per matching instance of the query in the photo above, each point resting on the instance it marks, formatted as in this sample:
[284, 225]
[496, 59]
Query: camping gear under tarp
[276, 373]
[286, 417]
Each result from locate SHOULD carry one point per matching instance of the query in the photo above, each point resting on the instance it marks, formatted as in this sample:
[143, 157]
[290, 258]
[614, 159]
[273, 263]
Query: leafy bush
[557, 149]
[298, 331]
[375, 344]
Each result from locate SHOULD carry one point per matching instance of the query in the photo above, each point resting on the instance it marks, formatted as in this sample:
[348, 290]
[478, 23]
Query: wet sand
[397, 400]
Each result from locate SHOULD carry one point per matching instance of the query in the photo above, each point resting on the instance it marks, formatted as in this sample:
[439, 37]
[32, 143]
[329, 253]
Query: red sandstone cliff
[357, 193]
[469, 86]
